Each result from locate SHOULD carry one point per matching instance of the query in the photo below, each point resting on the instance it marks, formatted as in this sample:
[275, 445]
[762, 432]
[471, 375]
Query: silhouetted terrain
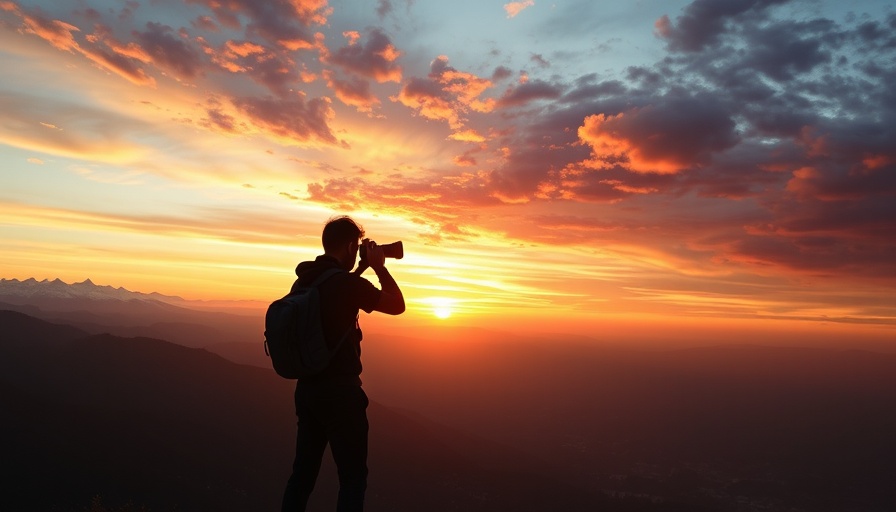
[471, 424]
[173, 428]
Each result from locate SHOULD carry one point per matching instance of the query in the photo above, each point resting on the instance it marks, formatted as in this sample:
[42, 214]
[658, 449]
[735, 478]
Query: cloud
[514, 8]
[124, 59]
[705, 21]
[218, 119]
[786, 50]
[529, 91]
[169, 51]
[465, 160]
[224, 223]
[56, 32]
[205, 23]
[118, 63]
[446, 94]
[385, 7]
[539, 60]
[56, 127]
[377, 59]
[672, 135]
[824, 238]
[435, 201]
[467, 136]
[285, 23]
[758, 139]
[293, 120]
[501, 73]
[353, 92]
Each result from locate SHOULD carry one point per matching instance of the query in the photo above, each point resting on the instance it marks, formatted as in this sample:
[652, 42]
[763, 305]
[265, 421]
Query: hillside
[173, 428]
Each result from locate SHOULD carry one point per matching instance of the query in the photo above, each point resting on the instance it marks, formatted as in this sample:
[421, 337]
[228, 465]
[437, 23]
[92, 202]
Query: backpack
[294, 335]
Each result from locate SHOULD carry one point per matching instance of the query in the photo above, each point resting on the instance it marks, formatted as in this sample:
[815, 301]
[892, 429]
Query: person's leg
[347, 433]
[311, 441]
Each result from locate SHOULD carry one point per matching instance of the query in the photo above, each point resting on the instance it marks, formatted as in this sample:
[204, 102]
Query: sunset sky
[568, 162]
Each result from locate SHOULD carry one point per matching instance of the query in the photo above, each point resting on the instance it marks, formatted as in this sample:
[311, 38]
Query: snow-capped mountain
[106, 309]
[57, 289]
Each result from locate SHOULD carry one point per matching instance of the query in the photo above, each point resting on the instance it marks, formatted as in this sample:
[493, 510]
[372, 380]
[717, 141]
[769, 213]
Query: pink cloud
[514, 8]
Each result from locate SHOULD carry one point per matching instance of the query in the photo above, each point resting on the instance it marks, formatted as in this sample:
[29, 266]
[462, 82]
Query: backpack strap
[326, 274]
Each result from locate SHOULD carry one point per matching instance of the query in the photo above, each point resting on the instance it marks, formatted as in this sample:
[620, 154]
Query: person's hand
[375, 256]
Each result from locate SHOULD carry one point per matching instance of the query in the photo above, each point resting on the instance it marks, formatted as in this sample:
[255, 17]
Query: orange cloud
[378, 59]
[122, 60]
[665, 138]
[242, 48]
[514, 8]
[874, 162]
[446, 94]
[602, 133]
[57, 33]
[354, 92]
[284, 23]
[430, 101]
[467, 136]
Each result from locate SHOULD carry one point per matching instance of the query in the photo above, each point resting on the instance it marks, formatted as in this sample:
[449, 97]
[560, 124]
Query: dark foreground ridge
[536, 428]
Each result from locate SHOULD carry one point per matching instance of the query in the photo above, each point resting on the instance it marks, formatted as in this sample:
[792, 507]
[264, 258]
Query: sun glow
[441, 307]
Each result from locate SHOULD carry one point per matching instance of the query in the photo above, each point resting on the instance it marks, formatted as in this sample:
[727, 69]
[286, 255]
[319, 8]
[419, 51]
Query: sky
[556, 165]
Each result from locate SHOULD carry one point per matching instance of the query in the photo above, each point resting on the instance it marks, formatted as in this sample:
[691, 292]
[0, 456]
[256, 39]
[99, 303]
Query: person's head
[341, 238]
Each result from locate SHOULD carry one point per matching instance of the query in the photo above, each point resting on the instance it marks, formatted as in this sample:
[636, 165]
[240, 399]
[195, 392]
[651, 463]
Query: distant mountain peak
[31, 288]
[33, 292]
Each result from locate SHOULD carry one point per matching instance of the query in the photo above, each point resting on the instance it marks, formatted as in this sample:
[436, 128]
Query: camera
[393, 250]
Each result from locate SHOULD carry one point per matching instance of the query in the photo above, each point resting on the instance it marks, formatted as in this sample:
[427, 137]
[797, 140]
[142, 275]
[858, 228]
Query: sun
[441, 312]
[441, 307]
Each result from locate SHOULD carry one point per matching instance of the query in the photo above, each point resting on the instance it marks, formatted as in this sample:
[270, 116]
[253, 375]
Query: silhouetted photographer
[330, 405]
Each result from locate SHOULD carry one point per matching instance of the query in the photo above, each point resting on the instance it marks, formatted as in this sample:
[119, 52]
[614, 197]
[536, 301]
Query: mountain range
[106, 309]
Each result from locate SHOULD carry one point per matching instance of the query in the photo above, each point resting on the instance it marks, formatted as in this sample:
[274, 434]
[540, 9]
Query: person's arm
[391, 300]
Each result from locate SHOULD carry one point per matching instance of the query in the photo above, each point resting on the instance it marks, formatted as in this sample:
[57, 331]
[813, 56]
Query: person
[331, 406]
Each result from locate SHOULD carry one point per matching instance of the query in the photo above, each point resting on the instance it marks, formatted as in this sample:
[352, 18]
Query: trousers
[334, 415]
